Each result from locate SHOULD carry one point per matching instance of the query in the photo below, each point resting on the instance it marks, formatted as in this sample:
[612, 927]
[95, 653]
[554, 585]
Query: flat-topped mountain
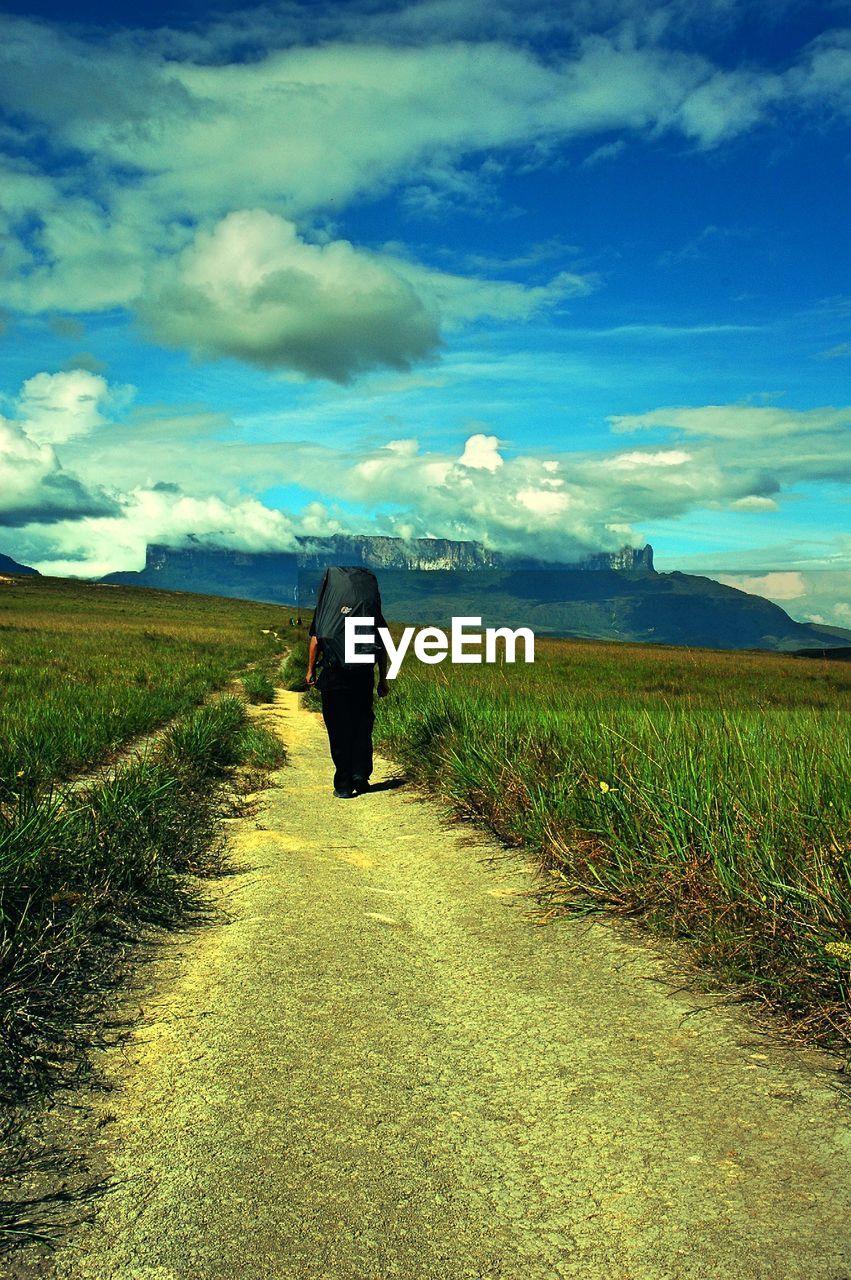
[376, 552]
[606, 595]
[291, 577]
[373, 552]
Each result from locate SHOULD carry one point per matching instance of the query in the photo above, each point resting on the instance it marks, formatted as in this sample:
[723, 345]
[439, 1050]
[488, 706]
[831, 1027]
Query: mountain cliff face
[394, 553]
[274, 575]
[218, 571]
[444, 553]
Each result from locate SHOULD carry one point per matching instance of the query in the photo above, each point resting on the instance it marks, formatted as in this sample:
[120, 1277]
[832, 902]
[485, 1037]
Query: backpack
[345, 593]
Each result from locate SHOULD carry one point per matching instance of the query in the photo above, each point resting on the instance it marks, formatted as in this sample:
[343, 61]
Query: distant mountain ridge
[10, 566]
[606, 595]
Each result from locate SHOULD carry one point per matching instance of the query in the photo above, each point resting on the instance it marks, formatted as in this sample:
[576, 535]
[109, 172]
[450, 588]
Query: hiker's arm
[381, 659]
[312, 655]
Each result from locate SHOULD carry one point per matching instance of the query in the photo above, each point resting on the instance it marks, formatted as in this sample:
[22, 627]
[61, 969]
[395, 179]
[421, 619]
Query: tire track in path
[378, 1066]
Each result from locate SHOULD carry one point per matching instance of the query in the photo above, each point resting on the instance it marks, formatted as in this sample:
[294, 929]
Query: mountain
[658, 608]
[376, 552]
[270, 576]
[609, 596]
[10, 566]
[292, 576]
[444, 553]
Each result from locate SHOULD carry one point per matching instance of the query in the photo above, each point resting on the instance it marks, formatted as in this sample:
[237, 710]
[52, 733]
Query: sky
[558, 277]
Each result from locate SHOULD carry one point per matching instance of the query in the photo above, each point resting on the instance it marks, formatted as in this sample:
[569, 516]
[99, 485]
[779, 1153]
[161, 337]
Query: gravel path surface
[381, 1067]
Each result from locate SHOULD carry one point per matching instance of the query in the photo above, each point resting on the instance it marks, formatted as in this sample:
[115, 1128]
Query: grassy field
[85, 669]
[705, 793]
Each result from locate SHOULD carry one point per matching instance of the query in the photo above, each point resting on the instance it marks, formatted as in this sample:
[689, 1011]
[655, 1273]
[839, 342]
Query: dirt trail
[380, 1067]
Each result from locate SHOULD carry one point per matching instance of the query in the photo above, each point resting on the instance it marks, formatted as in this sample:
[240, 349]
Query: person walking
[347, 689]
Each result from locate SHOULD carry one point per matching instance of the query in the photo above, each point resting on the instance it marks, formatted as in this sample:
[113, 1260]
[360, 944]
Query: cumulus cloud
[151, 478]
[253, 289]
[481, 452]
[34, 486]
[56, 407]
[550, 506]
[99, 544]
[158, 130]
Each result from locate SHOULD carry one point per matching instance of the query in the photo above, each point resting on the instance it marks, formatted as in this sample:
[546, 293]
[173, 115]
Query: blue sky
[558, 277]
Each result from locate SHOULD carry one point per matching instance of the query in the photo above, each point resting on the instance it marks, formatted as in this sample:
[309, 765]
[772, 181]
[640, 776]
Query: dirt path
[380, 1067]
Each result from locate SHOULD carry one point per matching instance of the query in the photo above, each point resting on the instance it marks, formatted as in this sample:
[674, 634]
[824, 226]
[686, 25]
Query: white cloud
[155, 478]
[808, 594]
[166, 132]
[642, 460]
[50, 410]
[56, 407]
[738, 421]
[34, 486]
[823, 77]
[729, 103]
[460, 299]
[752, 502]
[253, 289]
[93, 546]
[606, 151]
[481, 453]
[778, 446]
[779, 587]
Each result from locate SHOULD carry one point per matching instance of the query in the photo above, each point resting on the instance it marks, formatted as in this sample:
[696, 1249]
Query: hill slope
[8, 565]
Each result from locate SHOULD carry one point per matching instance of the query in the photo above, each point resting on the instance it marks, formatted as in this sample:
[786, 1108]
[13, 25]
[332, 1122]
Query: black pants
[349, 719]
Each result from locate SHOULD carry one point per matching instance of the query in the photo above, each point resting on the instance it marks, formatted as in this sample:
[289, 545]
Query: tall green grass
[294, 666]
[84, 668]
[258, 686]
[705, 793]
[80, 869]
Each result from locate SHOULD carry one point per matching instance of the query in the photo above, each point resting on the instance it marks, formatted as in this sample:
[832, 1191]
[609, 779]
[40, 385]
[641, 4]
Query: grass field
[705, 793]
[85, 669]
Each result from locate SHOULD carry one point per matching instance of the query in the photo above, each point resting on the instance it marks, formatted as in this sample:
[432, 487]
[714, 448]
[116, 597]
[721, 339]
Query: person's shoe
[360, 785]
[343, 793]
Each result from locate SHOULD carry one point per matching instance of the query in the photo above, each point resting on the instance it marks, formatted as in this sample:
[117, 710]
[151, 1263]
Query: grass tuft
[262, 749]
[208, 740]
[294, 666]
[259, 687]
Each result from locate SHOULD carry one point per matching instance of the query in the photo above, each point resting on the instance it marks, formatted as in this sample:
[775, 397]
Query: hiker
[347, 688]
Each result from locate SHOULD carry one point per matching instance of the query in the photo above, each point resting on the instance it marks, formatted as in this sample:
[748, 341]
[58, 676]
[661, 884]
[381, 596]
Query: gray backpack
[345, 592]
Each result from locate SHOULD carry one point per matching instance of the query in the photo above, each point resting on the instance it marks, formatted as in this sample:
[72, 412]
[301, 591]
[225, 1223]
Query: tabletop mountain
[602, 595]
